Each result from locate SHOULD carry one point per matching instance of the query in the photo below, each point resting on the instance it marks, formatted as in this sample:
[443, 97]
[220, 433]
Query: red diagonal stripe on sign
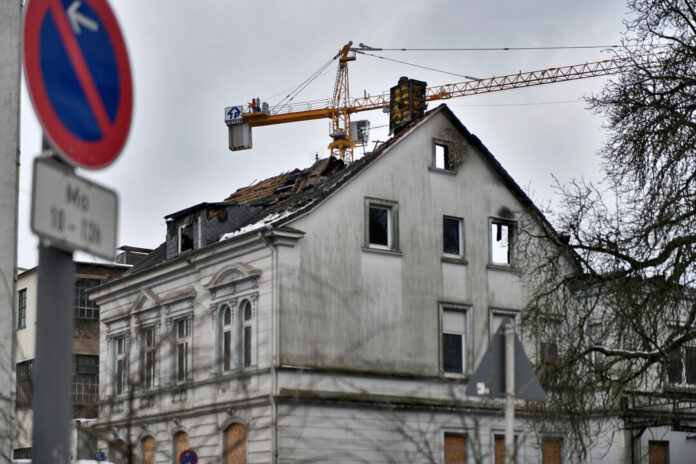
[80, 65]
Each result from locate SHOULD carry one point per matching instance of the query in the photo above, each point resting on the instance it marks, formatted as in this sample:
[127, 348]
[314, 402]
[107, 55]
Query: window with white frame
[452, 237]
[246, 333]
[498, 316]
[454, 339]
[502, 239]
[148, 357]
[182, 346]
[227, 355]
[120, 371]
[381, 224]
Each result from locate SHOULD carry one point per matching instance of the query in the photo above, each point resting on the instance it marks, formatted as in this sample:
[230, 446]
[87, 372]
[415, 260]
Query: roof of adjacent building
[275, 201]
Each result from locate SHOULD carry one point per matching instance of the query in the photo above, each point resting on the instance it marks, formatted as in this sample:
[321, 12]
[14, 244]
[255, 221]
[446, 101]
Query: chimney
[406, 103]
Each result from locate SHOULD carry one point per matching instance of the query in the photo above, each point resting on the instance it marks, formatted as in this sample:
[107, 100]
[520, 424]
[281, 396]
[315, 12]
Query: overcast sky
[191, 59]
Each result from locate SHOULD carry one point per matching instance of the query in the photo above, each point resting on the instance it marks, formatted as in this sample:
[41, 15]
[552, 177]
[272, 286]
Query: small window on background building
[186, 237]
[453, 340]
[25, 374]
[84, 308]
[452, 236]
[442, 157]
[501, 240]
[381, 225]
[455, 448]
[86, 379]
[183, 343]
[22, 308]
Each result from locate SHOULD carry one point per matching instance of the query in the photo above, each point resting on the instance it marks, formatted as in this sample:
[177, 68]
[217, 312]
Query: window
[120, 372]
[455, 448]
[182, 329]
[658, 452]
[84, 308]
[453, 340]
[22, 308]
[148, 446]
[246, 333]
[381, 224]
[180, 445]
[86, 379]
[501, 241]
[549, 340]
[442, 157]
[186, 237]
[551, 451]
[499, 449]
[148, 357]
[21, 453]
[25, 374]
[452, 236]
[235, 444]
[681, 369]
[497, 318]
[597, 336]
[226, 320]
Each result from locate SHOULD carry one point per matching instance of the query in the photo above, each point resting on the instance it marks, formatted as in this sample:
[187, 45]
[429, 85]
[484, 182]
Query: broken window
[452, 236]
[455, 448]
[453, 340]
[381, 224]
[84, 308]
[442, 157]
[186, 237]
[501, 239]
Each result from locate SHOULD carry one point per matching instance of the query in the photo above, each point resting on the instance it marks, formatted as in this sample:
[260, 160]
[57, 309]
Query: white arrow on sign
[77, 18]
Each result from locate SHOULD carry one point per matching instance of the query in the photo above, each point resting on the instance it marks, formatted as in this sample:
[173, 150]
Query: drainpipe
[275, 285]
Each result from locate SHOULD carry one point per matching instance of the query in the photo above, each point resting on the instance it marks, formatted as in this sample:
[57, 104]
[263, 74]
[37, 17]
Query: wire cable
[495, 49]
[418, 66]
[291, 96]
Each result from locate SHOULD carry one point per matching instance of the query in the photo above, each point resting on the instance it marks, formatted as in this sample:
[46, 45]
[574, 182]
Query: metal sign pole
[53, 364]
[509, 393]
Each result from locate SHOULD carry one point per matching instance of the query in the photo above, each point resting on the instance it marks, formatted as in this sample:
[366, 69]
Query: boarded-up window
[455, 449]
[236, 444]
[148, 445]
[658, 452]
[180, 445]
[499, 449]
[551, 452]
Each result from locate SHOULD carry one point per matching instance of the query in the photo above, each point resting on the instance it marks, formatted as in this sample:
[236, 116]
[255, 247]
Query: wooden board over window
[499, 449]
[455, 449]
[551, 452]
[658, 452]
[236, 444]
[180, 445]
[148, 450]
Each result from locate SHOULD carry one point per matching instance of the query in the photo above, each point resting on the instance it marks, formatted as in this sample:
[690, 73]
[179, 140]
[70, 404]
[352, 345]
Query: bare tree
[618, 282]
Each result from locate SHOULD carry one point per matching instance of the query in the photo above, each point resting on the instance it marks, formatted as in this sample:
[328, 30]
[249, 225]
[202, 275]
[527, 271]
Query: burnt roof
[280, 198]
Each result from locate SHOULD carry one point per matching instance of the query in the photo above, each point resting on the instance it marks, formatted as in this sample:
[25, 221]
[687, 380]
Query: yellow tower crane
[241, 119]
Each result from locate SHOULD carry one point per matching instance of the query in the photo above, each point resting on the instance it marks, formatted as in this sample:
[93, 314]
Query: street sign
[71, 212]
[79, 78]
[489, 378]
[233, 114]
[188, 457]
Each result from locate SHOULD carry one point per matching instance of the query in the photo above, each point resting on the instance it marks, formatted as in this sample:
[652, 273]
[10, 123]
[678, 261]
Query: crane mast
[342, 106]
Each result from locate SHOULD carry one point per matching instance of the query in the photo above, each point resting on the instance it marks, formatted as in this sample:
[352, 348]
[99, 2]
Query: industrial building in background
[85, 383]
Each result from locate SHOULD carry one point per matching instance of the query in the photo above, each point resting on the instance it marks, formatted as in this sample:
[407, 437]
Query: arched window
[246, 318]
[148, 447]
[180, 445]
[235, 444]
[226, 324]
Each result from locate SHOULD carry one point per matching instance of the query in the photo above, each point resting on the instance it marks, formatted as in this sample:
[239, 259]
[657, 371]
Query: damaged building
[329, 314]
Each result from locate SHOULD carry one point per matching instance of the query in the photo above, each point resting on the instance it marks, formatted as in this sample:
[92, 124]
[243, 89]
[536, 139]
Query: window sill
[448, 172]
[381, 251]
[455, 377]
[504, 268]
[454, 260]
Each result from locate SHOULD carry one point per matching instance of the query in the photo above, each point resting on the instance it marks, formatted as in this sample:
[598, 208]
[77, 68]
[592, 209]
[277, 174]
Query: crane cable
[418, 66]
[291, 96]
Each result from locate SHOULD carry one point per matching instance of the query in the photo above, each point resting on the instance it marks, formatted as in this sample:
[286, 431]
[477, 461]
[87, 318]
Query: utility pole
[10, 74]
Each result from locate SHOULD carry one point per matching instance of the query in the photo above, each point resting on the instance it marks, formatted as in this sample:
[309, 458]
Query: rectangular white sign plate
[71, 212]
